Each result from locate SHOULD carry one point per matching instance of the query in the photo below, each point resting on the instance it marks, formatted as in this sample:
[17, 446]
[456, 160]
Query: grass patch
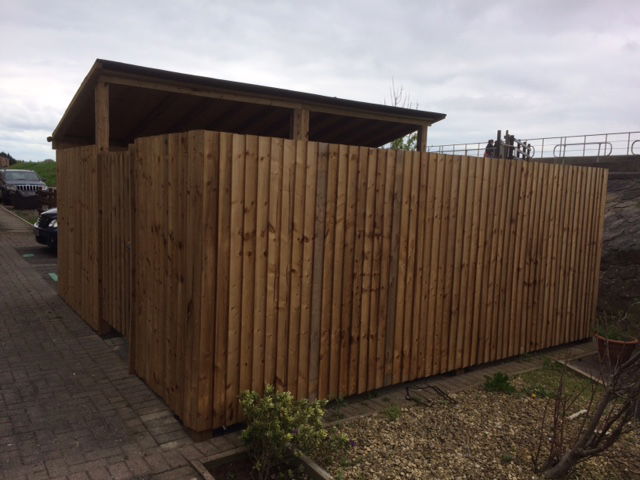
[29, 215]
[46, 170]
[544, 382]
[499, 383]
[392, 412]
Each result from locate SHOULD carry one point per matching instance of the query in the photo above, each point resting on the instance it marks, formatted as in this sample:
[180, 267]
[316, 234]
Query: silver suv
[13, 181]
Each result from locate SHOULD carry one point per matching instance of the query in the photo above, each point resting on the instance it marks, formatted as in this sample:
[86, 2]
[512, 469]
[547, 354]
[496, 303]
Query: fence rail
[593, 145]
[328, 270]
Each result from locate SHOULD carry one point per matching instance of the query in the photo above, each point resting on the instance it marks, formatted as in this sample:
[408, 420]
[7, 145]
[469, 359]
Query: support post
[300, 124]
[102, 116]
[422, 138]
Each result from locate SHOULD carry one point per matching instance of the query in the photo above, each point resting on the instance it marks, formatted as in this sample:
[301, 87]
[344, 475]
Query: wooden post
[300, 124]
[422, 138]
[102, 116]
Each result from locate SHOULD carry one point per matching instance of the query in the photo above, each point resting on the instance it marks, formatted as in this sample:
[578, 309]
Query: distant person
[489, 149]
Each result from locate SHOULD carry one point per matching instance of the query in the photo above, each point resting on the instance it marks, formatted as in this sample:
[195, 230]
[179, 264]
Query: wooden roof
[146, 101]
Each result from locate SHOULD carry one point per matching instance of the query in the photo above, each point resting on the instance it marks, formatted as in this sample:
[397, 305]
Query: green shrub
[499, 383]
[280, 427]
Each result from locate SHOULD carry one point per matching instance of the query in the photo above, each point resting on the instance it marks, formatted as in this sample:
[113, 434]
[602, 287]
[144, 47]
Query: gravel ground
[483, 436]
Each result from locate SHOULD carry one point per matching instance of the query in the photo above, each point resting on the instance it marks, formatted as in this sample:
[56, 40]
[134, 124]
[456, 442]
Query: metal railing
[597, 145]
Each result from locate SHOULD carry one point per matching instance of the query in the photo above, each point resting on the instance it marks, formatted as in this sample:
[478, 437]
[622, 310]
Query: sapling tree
[398, 97]
[610, 414]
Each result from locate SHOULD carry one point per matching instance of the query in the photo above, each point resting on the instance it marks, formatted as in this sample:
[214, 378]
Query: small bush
[280, 427]
[499, 383]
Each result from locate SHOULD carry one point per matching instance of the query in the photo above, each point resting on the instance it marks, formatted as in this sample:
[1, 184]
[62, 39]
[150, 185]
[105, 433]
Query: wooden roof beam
[102, 116]
[133, 81]
[300, 124]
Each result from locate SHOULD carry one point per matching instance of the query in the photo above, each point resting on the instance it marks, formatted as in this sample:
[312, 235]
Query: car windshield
[17, 176]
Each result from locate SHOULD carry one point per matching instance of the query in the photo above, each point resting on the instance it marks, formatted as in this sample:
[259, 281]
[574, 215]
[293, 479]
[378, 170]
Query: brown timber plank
[261, 254]
[235, 277]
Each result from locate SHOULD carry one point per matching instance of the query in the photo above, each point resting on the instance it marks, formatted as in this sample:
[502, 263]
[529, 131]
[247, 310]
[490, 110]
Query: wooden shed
[240, 235]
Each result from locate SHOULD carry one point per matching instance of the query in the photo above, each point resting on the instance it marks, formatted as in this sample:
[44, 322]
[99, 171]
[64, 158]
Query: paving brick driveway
[68, 406]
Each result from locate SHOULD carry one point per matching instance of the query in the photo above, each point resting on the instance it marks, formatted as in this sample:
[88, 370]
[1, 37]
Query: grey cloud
[537, 67]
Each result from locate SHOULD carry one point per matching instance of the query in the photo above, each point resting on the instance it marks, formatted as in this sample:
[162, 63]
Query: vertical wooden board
[449, 254]
[601, 184]
[428, 164]
[156, 258]
[530, 253]
[357, 272]
[346, 319]
[367, 269]
[327, 322]
[389, 161]
[173, 272]
[458, 199]
[232, 387]
[193, 271]
[221, 350]
[258, 348]
[573, 271]
[564, 253]
[593, 214]
[143, 181]
[317, 242]
[583, 248]
[577, 254]
[582, 330]
[418, 317]
[433, 332]
[411, 265]
[403, 243]
[374, 360]
[396, 213]
[507, 257]
[515, 271]
[296, 266]
[537, 273]
[556, 209]
[489, 262]
[474, 190]
[548, 218]
[463, 240]
[570, 257]
[337, 330]
[565, 175]
[285, 276]
[307, 267]
[444, 273]
[498, 245]
[208, 154]
[523, 255]
[501, 323]
[161, 271]
[247, 342]
[478, 319]
[182, 293]
[273, 259]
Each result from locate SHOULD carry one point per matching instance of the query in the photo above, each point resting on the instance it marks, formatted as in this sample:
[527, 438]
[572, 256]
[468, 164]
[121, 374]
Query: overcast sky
[537, 68]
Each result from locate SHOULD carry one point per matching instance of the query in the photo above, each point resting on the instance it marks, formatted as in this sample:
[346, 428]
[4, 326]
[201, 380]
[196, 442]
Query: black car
[46, 228]
[13, 181]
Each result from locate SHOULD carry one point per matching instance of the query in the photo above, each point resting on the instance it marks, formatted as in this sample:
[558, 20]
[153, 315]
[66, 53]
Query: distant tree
[8, 155]
[398, 97]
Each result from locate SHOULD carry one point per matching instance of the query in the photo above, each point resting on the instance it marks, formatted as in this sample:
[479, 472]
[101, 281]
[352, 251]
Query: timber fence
[232, 261]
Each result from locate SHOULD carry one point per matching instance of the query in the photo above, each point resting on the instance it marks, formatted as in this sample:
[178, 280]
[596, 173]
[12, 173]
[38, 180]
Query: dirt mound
[620, 268]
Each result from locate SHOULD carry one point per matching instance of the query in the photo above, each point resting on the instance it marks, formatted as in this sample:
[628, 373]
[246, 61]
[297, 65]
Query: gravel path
[483, 436]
